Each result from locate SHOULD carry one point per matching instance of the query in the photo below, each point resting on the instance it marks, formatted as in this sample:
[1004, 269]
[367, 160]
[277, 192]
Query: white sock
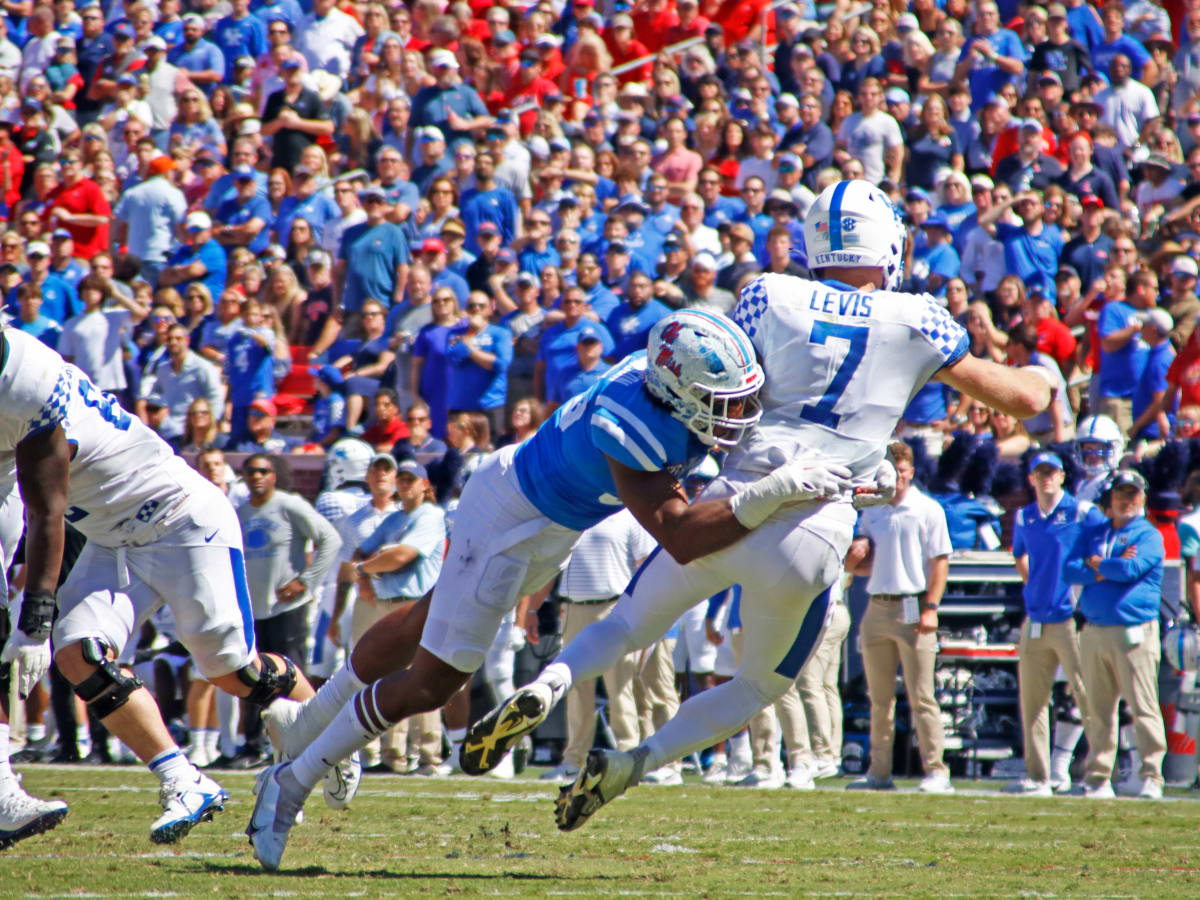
[6, 771]
[83, 739]
[739, 748]
[171, 764]
[35, 733]
[346, 733]
[197, 738]
[227, 708]
[557, 677]
[456, 735]
[1067, 735]
[595, 650]
[317, 712]
[212, 739]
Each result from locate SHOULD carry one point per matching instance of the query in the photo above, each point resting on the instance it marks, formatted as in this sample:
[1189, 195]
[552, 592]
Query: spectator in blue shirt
[1120, 565]
[538, 253]
[30, 319]
[630, 323]
[312, 203]
[489, 201]
[936, 262]
[201, 260]
[201, 59]
[329, 408]
[244, 154]
[556, 349]
[478, 355]
[401, 559]
[60, 301]
[241, 33]
[1117, 42]
[1150, 421]
[429, 366]
[249, 368]
[1031, 249]
[451, 105]
[992, 56]
[1123, 353]
[587, 370]
[1043, 533]
[242, 221]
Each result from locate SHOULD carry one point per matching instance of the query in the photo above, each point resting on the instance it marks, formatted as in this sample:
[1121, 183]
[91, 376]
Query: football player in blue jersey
[844, 356]
[626, 441]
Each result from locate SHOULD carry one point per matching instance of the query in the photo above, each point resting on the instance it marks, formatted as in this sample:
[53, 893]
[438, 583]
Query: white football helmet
[1099, 445]
[702, 366]
[853, 223]
[347, 460]
[1181, 646]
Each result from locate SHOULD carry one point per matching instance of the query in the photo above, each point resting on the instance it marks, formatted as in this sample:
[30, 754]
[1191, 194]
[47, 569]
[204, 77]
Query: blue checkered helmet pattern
[703, 367]
[853, 223]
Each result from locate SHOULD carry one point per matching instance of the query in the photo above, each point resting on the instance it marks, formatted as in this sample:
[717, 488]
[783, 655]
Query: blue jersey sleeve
[618, 430]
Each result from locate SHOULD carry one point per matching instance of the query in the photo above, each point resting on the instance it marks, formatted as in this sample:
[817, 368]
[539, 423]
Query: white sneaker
[503, 769]
[490, 739]
[666, 776]
[341, 782]
[827, 769]
[1060, 770]
[936, 783]
[1101, 791]
[1027, 787]
[560, 774]
[716, 769]
[1151, 790]
[22, 816]
[199, 756]
[606, 775]
[801, 778]
[759, 779]
[273, 816]
[870, 783]
[736, 771]
[186, 803]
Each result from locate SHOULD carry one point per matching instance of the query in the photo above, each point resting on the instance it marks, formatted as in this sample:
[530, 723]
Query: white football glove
[793, 482]
[31, 657]
[883, 491]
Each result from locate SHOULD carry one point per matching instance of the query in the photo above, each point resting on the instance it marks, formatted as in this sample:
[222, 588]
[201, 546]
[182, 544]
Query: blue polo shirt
[250, 367]
[557, 349]
[1047, 540]
[575, 380]
[533, 260]
[1131, 590]
[471, 386]
[372, 254]
[1028, 254]
[236, 212]
[240, 37]
[212, 255]
[630, 327]
[423, 529]
[201, 58]
[724, 209]
[1122, 370]
[318, 209]
[224, 188]
[1153, 380]
[59, 300]
[497, 206]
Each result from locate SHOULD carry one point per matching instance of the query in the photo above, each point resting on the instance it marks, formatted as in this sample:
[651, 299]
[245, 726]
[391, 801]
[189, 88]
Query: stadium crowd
[270, 227]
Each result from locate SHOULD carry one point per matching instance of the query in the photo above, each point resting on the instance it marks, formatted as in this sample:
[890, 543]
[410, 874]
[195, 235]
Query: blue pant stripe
[238, 565]
[806, 641]
[642, 568]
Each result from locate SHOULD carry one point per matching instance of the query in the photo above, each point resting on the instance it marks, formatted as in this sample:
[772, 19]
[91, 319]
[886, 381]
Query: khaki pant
[581, 699]
[424, 730]
[1115, 668]
[886, 643]
[820, 693]
[1040, 658]
[654, 689]
[1119, 409]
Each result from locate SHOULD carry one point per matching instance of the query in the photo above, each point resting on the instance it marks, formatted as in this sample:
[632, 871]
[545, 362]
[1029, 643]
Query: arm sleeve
[379, 536]
[1018, 547]
[937, 533]
[1149, 554]
[326, 541]
[1074, 570]
[425, 533]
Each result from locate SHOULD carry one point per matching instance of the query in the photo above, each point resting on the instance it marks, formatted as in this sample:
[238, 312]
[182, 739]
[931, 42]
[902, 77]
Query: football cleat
[342, 781]
[273, 816]
[186, 802]
[489, 739]
[606, 775]
[22, 816]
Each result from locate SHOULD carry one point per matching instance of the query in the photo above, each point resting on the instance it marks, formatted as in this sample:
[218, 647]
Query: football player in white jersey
[1099, 445]
[843, 356]
[626, 441]
[158, 532]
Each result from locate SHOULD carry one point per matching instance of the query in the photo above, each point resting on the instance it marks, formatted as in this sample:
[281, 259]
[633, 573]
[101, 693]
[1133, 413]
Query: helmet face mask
[1099, 445]
[854, 224]
[702, 366]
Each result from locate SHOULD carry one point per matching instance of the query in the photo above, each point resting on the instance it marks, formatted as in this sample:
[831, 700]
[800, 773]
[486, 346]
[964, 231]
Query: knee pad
[108, 688]
[268, 683]
[1063, 705]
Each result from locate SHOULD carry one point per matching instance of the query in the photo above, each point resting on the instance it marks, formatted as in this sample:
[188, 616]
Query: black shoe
[221, 762]
[29, 755]
[380, 768]
[250, 758]
[66, 755]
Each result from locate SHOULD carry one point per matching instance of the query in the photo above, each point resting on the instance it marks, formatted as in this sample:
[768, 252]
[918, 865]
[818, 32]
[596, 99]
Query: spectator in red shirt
[528, 85]
[689, 23]
[1053, 337]
[12, 169]
[552, 62]
[79, 206]
[389, 426]
[652, 21]
[742, 19]
[624, 47]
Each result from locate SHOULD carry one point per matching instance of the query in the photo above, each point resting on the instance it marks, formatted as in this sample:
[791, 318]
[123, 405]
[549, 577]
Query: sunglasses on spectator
[471, 306]
[258, 470]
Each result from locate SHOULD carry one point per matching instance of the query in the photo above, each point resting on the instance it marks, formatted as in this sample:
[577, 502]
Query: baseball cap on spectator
[382, 456]
[263, 407]
[567, 199]
[1160, 319]
[37, 248]
[64, 44]
[272, 251]
[488, 228]
[622, 20]
[528, 279]
[127, 79]
[1031, 125]
[593, 116]
[632, 202]
[433, 245]
[318, 259]
[897, 95]
[290, 63]
[588, 337]
[429, 133]
[331, 375]
[791, 160]
[916, 193]
[160, 165]
[190, 19]
[617, 247]
[1158, 161]
[634, 89]
[154, 42]
[786, 11]
[936, 220]
[982, 183]
[1046, 458]
[124, 31]
[538, 147]
[1159, 40]
[1091, 200]
[198, 221]
[506, 256]
[372, 192]
[244, 173]
[713, 30]
[443, 59]
[411, 467]
[1127, 478]
[907, 22]
[453, 226]
[1066, 272]
[780, 196]
[1056, 11]
[705, 260]
[1049, 77]
[1184, 265]
[62, 234]
[530, 57]
[504, 38]
[32, 104]
[672, 242]
[742, 231]
[155, 401]
[548, 40]
[243, 62]
[559, 144]
[786, 99]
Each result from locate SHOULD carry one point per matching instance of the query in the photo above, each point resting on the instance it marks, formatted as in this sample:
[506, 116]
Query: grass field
[409, 836]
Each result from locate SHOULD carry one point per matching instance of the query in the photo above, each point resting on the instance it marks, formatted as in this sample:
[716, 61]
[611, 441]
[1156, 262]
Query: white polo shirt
[906, 537]
[605, 559]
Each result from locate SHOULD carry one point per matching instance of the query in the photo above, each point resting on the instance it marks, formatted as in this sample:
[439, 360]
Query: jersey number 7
[821, 412]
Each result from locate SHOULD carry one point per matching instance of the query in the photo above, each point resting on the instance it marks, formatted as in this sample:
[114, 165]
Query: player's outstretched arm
[1022, 393]
[43, 475]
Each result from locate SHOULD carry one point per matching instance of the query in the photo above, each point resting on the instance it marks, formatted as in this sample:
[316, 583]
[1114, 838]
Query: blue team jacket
[1132, 588]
